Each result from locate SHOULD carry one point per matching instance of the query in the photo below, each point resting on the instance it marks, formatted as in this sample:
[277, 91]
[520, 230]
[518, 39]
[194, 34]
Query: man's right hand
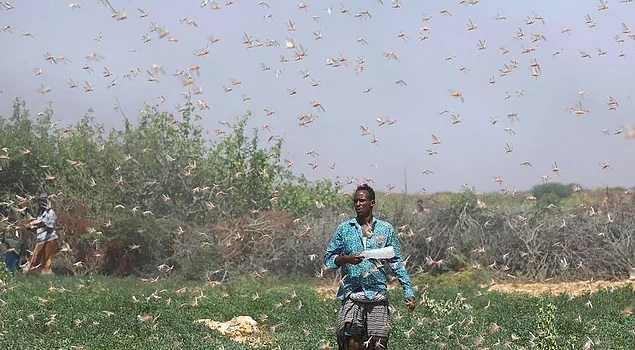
[349, 259]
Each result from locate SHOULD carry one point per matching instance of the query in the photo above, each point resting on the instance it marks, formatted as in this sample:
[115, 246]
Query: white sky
[471, 152]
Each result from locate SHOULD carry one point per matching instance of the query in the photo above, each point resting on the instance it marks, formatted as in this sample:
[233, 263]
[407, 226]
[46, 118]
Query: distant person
[12, 242]
[363, 318]
[47, 239]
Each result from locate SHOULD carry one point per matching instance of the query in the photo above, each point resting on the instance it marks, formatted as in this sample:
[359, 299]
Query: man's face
[363, 204]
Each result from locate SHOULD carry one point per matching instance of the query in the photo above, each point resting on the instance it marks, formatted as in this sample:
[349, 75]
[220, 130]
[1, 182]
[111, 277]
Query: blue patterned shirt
[369, 275]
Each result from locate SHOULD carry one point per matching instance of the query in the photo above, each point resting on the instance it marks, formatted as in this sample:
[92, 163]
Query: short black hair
[365, 187]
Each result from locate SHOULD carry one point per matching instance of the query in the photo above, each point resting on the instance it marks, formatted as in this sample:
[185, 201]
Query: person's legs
[350, 327]
[49, 251]
[353, 344]
[12, 259]
[378, 326]
[348, 341]
[35, 259]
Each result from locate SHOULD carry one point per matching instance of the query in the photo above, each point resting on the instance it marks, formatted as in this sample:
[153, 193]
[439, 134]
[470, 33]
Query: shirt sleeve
[398, 267]
[333, 249]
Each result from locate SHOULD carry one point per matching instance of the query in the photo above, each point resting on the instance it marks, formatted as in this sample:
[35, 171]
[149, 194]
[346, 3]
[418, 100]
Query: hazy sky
[356, 38]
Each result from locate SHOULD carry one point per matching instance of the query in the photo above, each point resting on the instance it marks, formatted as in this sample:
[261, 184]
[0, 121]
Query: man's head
[364, 200]
[43, 199]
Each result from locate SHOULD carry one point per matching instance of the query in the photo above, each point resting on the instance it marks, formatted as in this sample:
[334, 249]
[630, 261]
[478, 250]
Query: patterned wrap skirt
[363, 318]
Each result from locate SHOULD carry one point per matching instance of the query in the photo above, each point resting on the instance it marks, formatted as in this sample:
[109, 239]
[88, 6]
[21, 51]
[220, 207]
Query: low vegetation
[454, 312]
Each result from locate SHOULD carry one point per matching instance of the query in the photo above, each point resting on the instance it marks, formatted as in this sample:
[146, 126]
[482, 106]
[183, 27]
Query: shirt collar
[354, 222]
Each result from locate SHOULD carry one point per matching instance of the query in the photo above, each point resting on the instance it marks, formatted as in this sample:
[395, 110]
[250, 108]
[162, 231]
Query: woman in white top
[47, 239]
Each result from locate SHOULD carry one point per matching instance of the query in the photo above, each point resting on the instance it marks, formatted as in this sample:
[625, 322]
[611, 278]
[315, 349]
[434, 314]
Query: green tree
[551, 191]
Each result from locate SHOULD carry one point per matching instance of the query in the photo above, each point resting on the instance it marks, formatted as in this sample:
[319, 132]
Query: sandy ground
[570, 288]
[243, 329]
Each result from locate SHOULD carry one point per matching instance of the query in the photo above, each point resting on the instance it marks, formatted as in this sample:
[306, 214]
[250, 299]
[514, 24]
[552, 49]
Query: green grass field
[454, 312]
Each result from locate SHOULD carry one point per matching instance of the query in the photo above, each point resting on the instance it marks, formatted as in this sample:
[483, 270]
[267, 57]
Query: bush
[554, 190]
[157, 193]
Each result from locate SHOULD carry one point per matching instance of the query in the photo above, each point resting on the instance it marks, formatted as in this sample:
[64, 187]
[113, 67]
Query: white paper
[381, 253]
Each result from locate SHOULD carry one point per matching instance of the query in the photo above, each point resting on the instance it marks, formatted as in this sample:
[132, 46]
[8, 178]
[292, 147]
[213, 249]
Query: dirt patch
[243, 329]
[571, 288]
[327, 291]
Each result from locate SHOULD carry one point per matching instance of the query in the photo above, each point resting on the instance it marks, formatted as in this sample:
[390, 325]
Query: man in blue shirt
[363, 321]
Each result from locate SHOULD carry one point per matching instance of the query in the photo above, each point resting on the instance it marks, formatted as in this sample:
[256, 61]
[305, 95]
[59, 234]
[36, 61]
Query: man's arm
[333, 250]
[333, 257]
[398, 267]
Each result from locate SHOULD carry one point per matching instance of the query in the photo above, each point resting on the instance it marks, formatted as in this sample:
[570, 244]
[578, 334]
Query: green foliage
[157, 176]
[468, 278]
[551, 192]
[18, 135]
[459, 205]
[251, 171]
[6, 277]
[576, 200]
[107, 313]
[548, 334]
[303, 197]
[391, 207]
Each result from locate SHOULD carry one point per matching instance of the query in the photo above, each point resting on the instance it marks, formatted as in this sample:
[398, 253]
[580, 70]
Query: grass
[56, 312]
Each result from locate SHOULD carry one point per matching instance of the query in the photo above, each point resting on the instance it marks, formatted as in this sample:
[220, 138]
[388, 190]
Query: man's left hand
[411, 303]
